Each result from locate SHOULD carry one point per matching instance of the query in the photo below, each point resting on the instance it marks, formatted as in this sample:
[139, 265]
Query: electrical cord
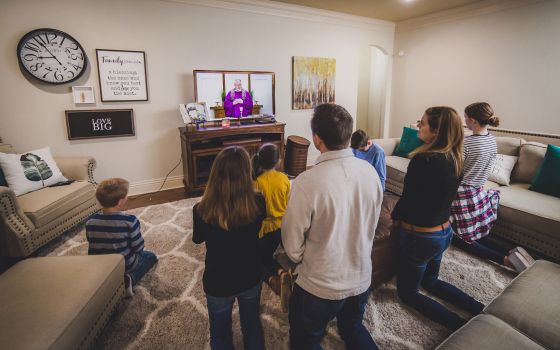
[164, 180]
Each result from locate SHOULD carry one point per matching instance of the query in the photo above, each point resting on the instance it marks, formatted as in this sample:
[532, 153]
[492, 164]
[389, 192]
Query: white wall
[377, 91]
[177, 38]
[509, 59]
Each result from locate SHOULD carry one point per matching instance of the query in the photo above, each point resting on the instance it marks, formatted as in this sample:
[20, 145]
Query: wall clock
[51, 56]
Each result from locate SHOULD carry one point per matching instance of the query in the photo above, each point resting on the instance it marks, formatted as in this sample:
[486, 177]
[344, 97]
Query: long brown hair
[483, 113]
[448, 127]
[229, 199]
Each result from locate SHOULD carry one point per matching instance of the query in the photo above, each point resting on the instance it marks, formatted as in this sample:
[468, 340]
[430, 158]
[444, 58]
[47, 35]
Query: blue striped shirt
[115, 233]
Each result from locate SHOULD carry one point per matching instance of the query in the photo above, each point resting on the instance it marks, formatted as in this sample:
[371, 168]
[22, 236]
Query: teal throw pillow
[3, 179]
[409, 142]
[547, 180]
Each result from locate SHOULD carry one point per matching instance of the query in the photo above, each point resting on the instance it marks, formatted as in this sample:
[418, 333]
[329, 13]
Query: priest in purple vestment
[238, 102]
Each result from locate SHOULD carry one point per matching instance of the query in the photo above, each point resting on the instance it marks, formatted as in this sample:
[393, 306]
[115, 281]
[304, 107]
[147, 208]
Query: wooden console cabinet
[200, 146]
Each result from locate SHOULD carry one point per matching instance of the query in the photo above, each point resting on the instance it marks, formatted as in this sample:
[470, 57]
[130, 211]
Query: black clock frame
[33, 33]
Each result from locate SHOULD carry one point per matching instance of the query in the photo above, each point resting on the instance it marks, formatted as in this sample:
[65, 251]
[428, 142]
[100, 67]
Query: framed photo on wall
[122, 75]
[99, 123]
[83, 94]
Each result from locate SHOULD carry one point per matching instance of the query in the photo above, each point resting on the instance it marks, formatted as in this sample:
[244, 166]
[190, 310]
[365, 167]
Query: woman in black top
[422, 216]
[228, 220]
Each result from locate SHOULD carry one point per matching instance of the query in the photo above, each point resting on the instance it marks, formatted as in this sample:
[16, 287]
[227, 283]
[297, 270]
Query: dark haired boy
[111, 231]
[364, 148]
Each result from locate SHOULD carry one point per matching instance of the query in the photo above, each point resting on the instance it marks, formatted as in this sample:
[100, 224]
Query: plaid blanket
[473, 212]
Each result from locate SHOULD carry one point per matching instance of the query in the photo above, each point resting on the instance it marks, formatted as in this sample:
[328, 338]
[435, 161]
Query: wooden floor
[143, 200]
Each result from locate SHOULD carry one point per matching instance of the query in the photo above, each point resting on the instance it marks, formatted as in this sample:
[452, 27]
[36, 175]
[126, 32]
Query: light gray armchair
[29, 221]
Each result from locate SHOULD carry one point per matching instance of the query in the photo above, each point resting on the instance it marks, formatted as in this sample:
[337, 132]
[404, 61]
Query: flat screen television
[235, 92]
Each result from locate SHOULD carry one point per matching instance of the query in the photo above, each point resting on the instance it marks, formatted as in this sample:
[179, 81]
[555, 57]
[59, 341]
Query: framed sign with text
[122, 75]
[99, 123]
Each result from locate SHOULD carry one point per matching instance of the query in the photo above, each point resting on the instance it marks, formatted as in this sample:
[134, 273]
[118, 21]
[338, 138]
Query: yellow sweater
[275, 188]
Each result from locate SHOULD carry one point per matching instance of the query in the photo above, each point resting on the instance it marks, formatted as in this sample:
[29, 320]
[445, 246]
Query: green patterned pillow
[408, 143]
[547, 180]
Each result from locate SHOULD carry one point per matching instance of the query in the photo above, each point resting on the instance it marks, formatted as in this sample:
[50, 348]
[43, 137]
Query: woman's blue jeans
[219, 313]
[420, 257]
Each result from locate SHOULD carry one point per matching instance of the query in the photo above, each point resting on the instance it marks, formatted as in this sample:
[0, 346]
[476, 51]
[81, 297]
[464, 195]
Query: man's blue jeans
[219, 313]
[420, 256]
[309, 316]
[146, 260]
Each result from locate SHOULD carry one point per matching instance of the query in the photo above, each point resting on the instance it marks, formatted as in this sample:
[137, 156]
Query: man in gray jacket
[328, 230]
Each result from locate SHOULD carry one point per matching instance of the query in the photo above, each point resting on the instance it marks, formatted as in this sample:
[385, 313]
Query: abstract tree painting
[313, 81]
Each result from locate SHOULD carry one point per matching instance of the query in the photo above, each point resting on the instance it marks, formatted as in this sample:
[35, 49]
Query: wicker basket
[295, 161]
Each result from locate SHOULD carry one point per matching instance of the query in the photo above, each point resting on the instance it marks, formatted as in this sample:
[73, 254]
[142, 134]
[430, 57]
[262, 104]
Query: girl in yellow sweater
[275, 188]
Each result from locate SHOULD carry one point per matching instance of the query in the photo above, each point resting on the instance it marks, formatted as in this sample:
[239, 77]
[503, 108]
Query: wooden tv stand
[200, 146]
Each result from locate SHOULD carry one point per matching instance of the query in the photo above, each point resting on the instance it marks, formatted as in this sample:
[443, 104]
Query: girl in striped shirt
[474, 210]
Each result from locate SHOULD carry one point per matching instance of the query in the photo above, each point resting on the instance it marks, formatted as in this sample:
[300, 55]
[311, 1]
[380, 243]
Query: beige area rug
[168, 310]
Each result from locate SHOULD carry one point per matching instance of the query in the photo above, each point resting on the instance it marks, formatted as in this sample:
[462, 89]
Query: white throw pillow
[30, 171]
[501, 172]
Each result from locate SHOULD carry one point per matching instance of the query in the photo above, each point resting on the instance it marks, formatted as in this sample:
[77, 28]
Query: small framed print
[83, 94]
[122, 75]
[99, 123]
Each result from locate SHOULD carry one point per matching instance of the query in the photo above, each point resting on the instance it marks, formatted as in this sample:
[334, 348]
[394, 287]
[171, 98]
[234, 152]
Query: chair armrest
[388, 145]
[15, 226]
[77, 168]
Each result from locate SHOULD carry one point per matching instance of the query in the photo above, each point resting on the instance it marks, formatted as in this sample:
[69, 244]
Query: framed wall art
[83, 94]
[99, 123]
[122, 75]
[313, 81]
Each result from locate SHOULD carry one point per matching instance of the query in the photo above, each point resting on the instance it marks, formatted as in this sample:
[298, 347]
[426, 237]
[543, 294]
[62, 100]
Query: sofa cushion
[530, 304]
[3, 179]
[503, 166]
[6, 148]
[491, 185]
[519, 206]
[46, 204]
[54, 302]
[396, 167]
[487, 332]
[531, 155]
[547, 179]
[409, 142]
[30, 171]
[509, 145]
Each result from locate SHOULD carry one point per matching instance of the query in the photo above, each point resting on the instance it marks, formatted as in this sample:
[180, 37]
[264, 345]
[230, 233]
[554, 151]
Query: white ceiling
[389, 10]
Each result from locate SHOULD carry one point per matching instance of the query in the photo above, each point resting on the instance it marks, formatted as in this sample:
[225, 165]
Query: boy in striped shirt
[111, 231]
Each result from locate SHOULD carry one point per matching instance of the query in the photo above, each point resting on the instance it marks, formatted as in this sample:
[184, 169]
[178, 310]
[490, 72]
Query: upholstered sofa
[525, 217]
[29, 221]
[59, 302]
[526, 315]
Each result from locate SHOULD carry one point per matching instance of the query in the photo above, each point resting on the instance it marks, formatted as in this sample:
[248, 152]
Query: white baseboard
[148, 186]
